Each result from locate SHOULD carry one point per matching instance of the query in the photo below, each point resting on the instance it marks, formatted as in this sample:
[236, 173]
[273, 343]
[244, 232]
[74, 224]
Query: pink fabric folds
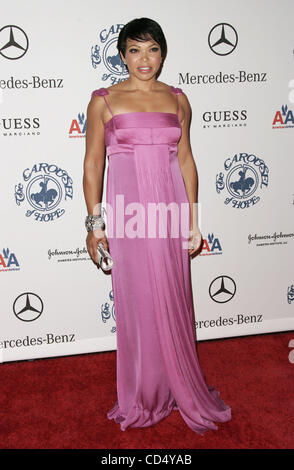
[157, 364]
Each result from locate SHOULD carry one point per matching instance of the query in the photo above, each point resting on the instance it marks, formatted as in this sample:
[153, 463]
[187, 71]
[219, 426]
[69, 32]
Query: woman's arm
[189, 170]
[94, 165]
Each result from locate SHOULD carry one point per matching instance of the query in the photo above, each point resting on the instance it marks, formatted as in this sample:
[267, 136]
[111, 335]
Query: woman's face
[143, 58]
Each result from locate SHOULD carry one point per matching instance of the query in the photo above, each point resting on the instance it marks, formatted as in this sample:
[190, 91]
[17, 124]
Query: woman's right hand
[95, 237]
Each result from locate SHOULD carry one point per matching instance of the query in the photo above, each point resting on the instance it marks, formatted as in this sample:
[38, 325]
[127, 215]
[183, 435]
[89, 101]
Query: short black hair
[141, 29]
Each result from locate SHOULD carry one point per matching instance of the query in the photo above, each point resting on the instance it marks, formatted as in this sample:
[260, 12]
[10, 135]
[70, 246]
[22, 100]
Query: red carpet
[61, 403]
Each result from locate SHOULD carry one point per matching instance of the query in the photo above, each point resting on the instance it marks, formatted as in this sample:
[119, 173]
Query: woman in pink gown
[144, 126]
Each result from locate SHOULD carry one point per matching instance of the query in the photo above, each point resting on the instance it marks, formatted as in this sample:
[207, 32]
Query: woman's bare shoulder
[161, 86]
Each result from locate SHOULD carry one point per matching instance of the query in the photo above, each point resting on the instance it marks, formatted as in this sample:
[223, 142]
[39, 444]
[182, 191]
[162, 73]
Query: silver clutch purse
[104, 259]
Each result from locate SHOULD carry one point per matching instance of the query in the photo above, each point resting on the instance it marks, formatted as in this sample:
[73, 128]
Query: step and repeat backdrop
[234, 60]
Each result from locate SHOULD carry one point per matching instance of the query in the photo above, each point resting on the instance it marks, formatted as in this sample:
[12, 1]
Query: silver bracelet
[94, 222]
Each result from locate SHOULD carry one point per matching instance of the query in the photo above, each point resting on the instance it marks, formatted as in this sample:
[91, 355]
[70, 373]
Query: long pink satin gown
[157, 364]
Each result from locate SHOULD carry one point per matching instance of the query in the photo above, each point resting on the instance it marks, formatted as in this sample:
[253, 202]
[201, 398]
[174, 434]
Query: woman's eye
[133, 50]
[155, 49]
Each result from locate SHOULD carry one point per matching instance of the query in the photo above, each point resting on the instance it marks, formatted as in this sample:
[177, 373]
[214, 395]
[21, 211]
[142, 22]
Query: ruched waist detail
[129, 148]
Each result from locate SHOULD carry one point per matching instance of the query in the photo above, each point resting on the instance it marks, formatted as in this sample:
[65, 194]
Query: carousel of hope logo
[44, 186]
[244, 175]
[106, 56]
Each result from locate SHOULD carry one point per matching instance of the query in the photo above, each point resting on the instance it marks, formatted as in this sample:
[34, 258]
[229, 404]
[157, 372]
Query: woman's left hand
[195, 241]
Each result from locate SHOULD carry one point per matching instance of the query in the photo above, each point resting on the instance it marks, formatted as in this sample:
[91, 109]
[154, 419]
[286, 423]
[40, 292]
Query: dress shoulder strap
[176, 91]
[102, 92]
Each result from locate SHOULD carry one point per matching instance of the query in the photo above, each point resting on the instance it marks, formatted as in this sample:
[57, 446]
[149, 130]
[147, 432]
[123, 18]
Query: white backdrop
[241, 89]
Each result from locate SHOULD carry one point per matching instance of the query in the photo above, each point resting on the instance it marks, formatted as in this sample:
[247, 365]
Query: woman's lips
[144, 69]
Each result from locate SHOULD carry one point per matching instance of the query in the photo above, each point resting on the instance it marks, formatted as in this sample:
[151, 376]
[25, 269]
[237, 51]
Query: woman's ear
[122, 58]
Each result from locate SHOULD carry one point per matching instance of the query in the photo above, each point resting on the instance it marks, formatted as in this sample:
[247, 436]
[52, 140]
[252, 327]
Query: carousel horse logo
[106, 54]
[290, 294]
[46, 187]
[244, 175]
[108, 311]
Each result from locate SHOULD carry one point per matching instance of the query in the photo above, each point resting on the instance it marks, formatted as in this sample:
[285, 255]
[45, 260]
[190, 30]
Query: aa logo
[8, 261]
[78, 127]
[211, 246]
[283, 119]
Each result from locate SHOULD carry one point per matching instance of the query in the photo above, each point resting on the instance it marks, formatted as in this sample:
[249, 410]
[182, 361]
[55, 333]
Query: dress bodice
[141, 128]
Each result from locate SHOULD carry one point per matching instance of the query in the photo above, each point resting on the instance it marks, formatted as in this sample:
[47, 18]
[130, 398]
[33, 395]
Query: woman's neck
[141, 85]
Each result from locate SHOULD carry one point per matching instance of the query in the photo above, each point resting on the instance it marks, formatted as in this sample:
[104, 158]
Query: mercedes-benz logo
[222, 289]
[14, 42]
[28, 306]
[223, 39]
